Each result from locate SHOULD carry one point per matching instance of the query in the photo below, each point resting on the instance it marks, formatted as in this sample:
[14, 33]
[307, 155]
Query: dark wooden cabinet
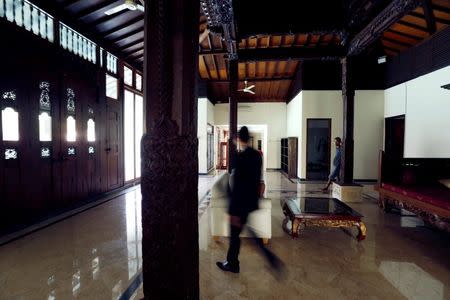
[289, 156]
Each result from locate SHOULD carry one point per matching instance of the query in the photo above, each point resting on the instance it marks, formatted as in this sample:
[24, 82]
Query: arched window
[10, 124]
[91, 130]
[71, 129]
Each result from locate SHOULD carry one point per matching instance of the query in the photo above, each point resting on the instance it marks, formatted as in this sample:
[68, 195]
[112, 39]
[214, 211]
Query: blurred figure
[336, 164]
[246, 186]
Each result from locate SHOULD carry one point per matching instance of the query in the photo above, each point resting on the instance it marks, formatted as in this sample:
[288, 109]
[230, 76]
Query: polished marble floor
[96, 255]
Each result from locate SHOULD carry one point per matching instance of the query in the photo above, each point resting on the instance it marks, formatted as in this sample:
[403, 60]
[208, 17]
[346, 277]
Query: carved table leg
[265, 241]
[296, 223]
[362, 231]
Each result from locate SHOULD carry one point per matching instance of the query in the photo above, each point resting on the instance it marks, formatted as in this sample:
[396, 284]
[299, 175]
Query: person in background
[246, 187]
[336, 164]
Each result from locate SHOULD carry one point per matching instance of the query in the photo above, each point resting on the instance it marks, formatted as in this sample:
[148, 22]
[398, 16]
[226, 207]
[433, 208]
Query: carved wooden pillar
[233, 110]
[348, 96]
[169, 151]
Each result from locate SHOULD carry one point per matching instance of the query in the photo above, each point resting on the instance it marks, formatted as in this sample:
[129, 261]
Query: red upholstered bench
[430, 203]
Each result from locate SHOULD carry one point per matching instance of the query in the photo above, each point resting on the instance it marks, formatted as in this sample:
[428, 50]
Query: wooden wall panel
[31, 186]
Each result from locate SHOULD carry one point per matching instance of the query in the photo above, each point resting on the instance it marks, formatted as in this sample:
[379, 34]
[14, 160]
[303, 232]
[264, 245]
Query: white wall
[368, 134]
[294, 125]
[426, 107]
[427, 120]
[205, 112]
[395, 101]
[273, 115]
[317, 105]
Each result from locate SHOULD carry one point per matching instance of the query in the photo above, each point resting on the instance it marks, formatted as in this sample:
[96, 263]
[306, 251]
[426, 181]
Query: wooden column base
[347, 192]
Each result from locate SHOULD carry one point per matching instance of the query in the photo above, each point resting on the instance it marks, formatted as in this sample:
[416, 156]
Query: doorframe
[330, 122]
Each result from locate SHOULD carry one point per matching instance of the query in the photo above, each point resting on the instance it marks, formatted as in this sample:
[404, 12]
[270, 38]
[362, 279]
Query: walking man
[246, 188]
[336, 164]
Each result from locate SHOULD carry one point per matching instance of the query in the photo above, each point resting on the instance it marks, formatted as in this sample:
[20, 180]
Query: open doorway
[258, 141]
[393, 146]
[318, 149]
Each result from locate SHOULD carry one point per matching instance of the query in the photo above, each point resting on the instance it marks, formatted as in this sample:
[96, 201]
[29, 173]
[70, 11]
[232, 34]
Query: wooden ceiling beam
[308, 40]
[412, 25]
[208, 71]
[429, 16]
[95, 8]
[127, 35]
[68, 3]
[297, 53]
[436, 19]
[122, 26]
[123, 48]
[392, 14]
[107, 18]
[313, 32]
[215, 53]
[441, 8]
[134, 50]
[215, 66]
[400, 43]
[404, 34]
[250, 80]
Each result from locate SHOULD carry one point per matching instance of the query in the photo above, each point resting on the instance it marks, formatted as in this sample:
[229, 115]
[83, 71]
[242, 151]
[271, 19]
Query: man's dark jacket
[246, 181]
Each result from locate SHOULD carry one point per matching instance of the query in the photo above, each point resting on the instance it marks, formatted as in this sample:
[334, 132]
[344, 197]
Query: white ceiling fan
[127, 4]
[247, 89]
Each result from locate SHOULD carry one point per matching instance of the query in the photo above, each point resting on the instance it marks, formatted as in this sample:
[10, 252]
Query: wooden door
[113, 144]
[43, 186]
[223, 155]
[13, 102]
[318, 149]
[70, 140]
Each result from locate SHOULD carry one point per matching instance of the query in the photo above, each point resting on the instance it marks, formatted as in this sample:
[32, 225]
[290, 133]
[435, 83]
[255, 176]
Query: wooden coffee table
[321, 212]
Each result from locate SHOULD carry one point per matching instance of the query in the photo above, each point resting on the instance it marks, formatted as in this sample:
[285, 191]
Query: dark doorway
[318, 149]
[394, 146]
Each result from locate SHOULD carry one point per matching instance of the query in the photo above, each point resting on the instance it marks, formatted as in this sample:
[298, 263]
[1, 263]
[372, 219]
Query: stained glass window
[71, 129]
[128, 76]
[71, 151]
[91, 130]
[129, 135]
[111, 87]
[10, 154]
[91, 150]
[10, 124]
[45, 152]
[44, 98]
[45, 127]
[138, 82]
[70, 101]
[138, 131]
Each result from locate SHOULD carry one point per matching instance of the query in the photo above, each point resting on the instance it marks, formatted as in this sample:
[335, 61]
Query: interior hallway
[96, 255]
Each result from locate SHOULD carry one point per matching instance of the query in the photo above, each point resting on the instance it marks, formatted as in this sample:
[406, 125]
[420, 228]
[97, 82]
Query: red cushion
[429, 194]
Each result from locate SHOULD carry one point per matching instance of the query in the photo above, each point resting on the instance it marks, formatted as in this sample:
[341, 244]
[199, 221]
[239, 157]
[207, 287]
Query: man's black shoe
[225, 266]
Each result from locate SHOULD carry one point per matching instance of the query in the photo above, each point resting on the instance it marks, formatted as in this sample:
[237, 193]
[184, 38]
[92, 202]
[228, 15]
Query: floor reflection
[97, 255]
[411, 280]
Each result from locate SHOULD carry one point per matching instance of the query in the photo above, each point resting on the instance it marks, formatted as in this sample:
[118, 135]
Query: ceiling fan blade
[251, 92]
[241, 90]
[140, 7]
[116, 9]
[250, 87]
